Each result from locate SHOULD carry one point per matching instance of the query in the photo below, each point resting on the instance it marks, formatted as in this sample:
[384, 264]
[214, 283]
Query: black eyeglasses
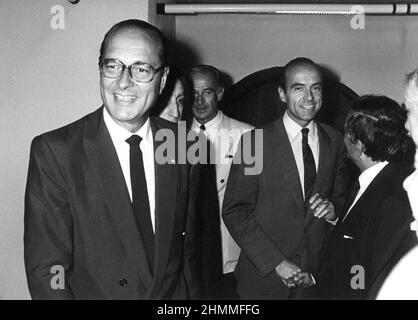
[139, 71]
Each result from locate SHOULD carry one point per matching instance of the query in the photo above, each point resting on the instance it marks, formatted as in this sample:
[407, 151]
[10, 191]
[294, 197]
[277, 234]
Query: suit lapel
[286, 161]
[165, 206]
[368, 198]
[100, 148]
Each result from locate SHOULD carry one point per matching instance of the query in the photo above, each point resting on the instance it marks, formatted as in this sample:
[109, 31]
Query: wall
[373, 60]
[48, 78]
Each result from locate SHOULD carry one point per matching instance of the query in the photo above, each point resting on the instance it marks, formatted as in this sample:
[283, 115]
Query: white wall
[48, 78]
[373, 60]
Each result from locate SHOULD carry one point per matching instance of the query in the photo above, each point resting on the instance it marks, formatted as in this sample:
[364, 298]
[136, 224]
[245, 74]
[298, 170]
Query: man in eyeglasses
[103, 218]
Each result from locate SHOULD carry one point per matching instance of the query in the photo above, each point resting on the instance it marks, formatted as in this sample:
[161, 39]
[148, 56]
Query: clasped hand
[293, 276]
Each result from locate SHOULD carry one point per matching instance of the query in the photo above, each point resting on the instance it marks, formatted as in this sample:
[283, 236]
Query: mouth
[310, 107]
[124, 99]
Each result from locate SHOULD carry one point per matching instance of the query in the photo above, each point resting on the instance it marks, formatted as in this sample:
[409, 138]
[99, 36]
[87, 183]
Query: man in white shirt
[402, 282]
[279, 216]
[374, 232]
[100, 210]
[223, 133]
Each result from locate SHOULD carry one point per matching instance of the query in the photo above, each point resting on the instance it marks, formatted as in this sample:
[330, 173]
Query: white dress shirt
[119, 136]
[295, 137]
[224, 134]
[365, 179]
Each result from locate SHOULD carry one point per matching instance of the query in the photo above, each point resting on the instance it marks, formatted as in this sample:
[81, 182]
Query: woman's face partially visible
[174, 109]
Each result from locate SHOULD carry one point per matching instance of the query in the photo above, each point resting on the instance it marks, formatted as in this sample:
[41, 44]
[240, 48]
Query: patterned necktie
[140, 200]
[309, 165]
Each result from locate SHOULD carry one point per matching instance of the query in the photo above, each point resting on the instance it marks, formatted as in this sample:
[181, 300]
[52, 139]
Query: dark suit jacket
[266, 215]
[375, 235]
[78, 215]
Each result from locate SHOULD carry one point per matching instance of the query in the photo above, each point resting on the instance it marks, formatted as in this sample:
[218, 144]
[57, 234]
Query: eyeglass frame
[129, 67]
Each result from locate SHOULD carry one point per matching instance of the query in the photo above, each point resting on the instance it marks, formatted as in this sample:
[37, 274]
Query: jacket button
[123, 282]
[222, 180]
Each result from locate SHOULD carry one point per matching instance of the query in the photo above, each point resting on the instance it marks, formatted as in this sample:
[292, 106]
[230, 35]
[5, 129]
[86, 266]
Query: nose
[407, 126]
[125, 80]
[308, 95]
[198, 98]
[176, 112]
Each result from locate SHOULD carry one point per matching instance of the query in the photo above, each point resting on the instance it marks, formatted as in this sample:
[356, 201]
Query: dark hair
[205, 68]
[141, 26]
[379, 123]
[297, 62]
[165, 95]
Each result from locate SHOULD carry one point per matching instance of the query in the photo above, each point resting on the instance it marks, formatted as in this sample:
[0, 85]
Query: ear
[220, 93]
[282, 95]
[163, 79]
[360, 147]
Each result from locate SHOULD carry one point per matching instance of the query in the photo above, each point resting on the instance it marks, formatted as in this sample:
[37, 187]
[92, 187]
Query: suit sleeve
[238, 209]
[392, 239]
[48, 234]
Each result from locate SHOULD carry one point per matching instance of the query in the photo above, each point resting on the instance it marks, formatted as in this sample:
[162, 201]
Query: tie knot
[134, 140]
[305, 132]
[202, 127]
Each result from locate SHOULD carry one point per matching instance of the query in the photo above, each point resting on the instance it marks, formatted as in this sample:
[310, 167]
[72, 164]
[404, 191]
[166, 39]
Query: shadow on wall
[183, 55]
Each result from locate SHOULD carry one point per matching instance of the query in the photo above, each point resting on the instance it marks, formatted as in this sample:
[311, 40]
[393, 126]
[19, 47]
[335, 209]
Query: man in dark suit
[280, 217]
[218, 251]
[104, 218]
[375, 229]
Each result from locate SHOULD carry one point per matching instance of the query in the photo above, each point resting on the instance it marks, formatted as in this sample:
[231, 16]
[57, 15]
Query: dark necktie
[208, 144]
[309, 165]
[140, 200]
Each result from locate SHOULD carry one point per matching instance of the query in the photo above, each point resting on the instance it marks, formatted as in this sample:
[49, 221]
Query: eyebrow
[207, 88]
[135, 62]
[302, 85]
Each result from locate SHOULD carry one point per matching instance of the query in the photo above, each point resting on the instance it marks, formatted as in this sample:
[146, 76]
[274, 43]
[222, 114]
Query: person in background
[280, 218]
[171, 102]
[374, 231]
[219, 250]
[402, 282]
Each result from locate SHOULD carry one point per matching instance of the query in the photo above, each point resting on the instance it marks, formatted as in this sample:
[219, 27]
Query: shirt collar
[293, 129]
[367, 176]
[119, 134]
[211, 125]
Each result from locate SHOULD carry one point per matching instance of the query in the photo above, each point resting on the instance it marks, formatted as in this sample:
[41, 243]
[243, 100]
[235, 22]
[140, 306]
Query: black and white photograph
[209, 155]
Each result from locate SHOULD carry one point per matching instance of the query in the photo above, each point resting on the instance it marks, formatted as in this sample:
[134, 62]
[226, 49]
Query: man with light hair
[402, 283]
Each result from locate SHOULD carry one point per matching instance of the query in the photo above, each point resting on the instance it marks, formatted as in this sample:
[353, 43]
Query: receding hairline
[205, 69]
[137, 27]
[298, 63]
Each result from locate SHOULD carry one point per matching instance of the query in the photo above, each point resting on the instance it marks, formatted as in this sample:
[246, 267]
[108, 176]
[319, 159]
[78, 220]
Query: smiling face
[206, 95]
[303, 93]
[174, 109]
[128, 102]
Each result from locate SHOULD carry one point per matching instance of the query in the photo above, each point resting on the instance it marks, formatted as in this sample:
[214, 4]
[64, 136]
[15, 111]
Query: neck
[366, 164]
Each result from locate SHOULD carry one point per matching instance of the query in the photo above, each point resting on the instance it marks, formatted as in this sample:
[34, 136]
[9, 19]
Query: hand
[305, 280]
[288, 272]
[322, 208]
